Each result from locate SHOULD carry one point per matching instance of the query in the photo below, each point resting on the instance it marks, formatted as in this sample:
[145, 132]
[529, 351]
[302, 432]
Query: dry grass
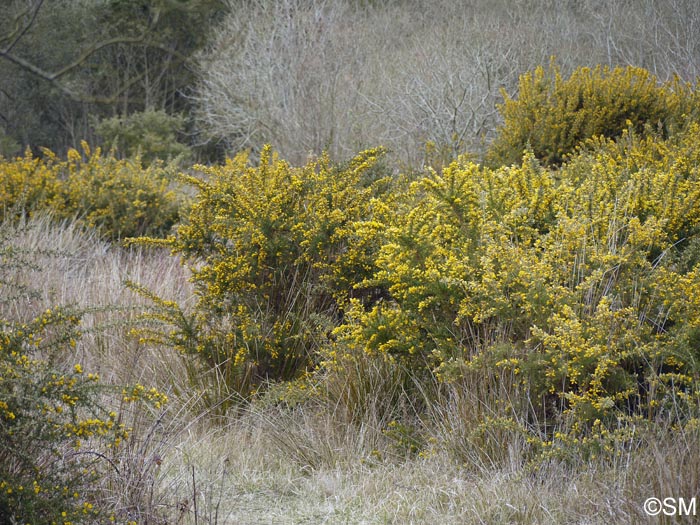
[313, 463]
[74, 267]
[242, 477]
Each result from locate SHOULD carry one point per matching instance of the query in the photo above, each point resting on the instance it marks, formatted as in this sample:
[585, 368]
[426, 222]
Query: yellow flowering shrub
[27, 183]
[575, 281]
[50, 423]
[274, 252]
[58, 436]
[553, 115]
[467, 225]
[119, 197]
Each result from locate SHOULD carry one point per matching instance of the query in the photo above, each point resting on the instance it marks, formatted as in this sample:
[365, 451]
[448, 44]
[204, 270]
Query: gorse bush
[118, 197]
[47, 414]
[274, 255]
[565, 281]
[552, 115]
[59, 435]
[28, 183]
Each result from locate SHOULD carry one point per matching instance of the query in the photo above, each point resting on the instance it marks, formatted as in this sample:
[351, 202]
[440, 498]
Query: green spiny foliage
[553, 115]
[274, 253]
[564, 285]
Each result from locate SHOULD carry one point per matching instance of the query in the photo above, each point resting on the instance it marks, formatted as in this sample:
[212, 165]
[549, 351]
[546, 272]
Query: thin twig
[194, 496]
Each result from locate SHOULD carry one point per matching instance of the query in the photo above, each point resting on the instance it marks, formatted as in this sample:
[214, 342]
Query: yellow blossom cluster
[552, 115]
[275, 254]
[582, 280]
[117, 196]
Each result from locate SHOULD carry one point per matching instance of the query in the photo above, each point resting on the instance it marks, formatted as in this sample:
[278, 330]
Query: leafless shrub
[339, 76]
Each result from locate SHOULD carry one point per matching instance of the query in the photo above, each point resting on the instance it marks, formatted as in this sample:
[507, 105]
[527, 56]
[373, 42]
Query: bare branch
[54, 77]
[16, 35]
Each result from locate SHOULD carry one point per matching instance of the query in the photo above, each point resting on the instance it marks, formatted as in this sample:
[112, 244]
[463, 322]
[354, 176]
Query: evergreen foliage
[553, 115]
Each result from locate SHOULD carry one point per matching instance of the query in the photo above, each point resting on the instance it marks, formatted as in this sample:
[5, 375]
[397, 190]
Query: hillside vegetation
[260, 341]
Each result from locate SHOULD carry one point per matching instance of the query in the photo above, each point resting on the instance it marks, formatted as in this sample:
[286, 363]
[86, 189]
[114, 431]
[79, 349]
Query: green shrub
[553, 115]
[8, 147]
[118, 197]
[274, 253]
[559, 289]
[150, 135]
